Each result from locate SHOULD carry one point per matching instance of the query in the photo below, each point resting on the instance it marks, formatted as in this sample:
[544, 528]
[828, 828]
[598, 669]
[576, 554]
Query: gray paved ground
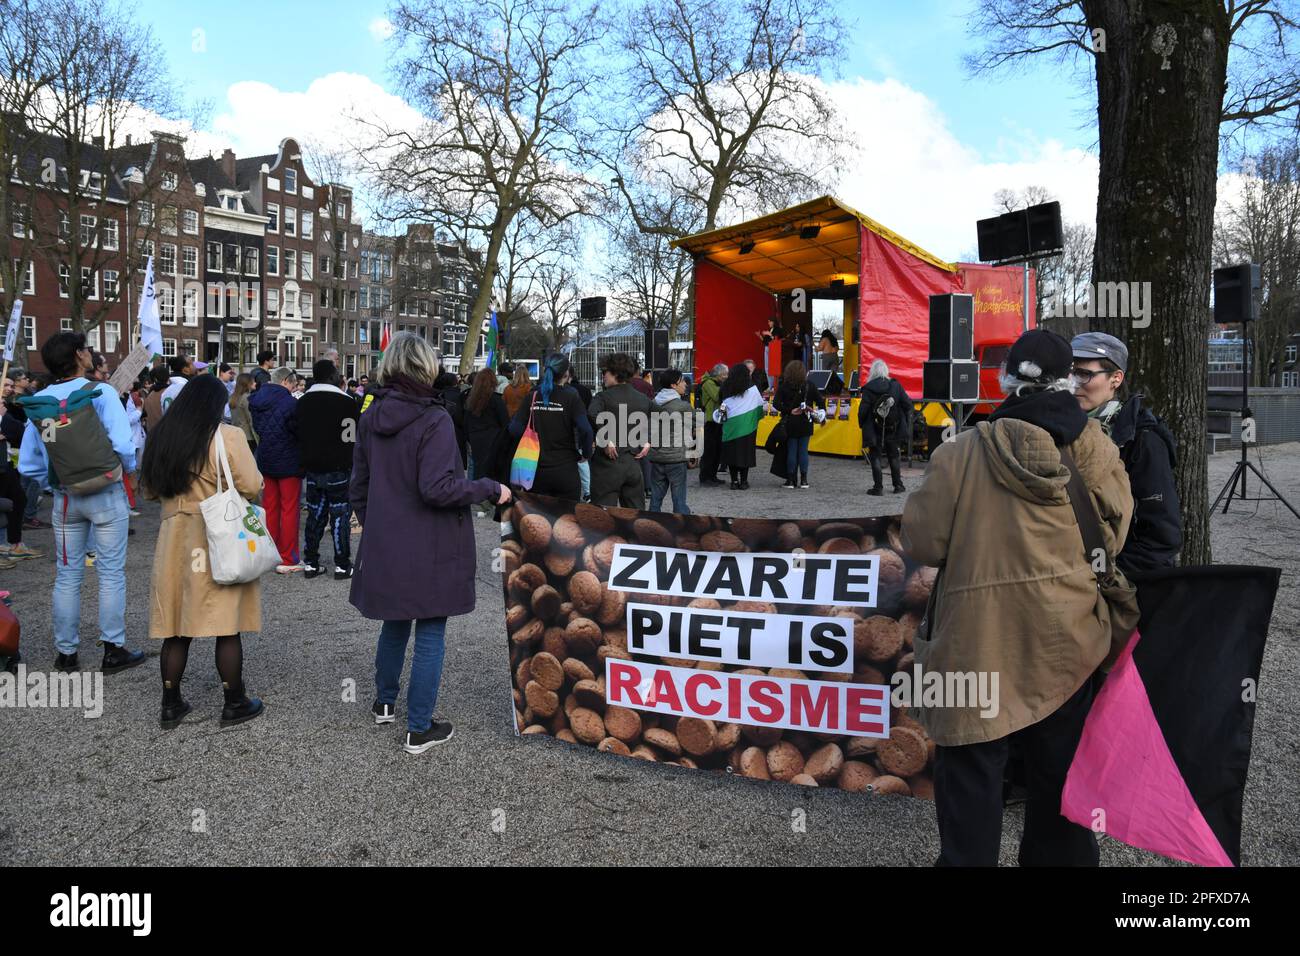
[314, 781]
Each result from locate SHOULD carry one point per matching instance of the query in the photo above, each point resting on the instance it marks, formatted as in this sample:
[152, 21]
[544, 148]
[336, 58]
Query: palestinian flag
[1163, 758]
[743, 414]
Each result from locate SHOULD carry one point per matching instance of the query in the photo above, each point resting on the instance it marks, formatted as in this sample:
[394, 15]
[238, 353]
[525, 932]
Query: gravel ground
[316, 782]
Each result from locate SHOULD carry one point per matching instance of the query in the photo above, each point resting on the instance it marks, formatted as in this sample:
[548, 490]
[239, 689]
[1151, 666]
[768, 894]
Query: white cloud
[381, 28]
[911, 173]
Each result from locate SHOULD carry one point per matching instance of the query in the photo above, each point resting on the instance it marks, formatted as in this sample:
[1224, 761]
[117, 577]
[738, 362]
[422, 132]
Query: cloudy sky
[933, 143]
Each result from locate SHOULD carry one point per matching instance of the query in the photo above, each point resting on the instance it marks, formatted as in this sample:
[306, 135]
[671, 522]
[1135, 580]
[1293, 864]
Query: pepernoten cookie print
[753, 646]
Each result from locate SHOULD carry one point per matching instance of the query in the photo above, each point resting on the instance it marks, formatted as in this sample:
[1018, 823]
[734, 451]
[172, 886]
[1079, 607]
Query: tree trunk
[478, 315]
[1158, 118]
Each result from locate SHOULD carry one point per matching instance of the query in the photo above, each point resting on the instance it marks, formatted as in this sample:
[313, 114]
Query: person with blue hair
[563, 430]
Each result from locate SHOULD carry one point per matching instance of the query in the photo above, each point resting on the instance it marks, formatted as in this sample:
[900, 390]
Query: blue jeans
[105, 515]
[327, 504]
[426, 667]
[32, 489]
[584, 475]
[663, 477]
[796, 456]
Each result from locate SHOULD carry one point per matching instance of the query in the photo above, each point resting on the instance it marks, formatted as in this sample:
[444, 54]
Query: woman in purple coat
[409, 492]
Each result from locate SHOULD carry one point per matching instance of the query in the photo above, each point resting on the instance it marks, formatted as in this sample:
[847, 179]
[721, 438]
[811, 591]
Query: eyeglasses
[1086, 375]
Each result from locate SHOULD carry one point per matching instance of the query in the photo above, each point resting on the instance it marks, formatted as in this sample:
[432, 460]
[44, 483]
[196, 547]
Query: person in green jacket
[709, 402]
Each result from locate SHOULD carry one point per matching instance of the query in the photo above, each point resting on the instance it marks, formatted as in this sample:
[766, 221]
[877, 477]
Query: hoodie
[416, 558]
[673, 424]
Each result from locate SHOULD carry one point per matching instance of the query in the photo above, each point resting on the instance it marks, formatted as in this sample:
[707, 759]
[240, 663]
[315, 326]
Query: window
[308, 192]
[190, 262]
[190, 306]
[232, 203]
[365, 297]
[29, 331]
[305, 306]
[272, 304]
[388, 266]
[273, 260]
[89, 283]
[87, 234]
[350, 331]
[325, 266]
[167, 261]
[290, 263]
[214, 257]
[307, 350]
[65, 325]
[272, 217]
[112, 335]
[168, 223]
[250, 303]
[290, 302]
[352, 300]
[166, 296]
[145, 216]
[290, 221]
[110, 284]
[341, 211]
[190, 221]
[230, 260]
[1291, 352]
[169, 348]
[20, 220]
[65, 277]
[291, 180]
[108, 234]
[232, 301]
[272, 184]
[308, 224]
[29, 276]
[213, 300]
[306, 266]
[354, 268]
[250, 260]
[192, 347]
[170, 182]
[92, 339]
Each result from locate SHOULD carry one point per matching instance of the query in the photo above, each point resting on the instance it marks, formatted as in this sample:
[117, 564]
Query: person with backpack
[797, 399]
[180, 469]
[1146, 446]
[275, 419]
[707, 400]
[885, 417]
[77, 435]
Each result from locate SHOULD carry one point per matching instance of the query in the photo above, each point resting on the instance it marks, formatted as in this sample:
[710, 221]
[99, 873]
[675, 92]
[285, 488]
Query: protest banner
[762, 647]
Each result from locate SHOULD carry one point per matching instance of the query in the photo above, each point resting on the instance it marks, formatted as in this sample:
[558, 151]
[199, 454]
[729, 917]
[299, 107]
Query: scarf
[1057, 413]
[409, 386]
[1105, 414]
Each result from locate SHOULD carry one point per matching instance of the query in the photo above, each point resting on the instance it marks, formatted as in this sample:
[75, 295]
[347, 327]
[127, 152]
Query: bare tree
[502, 85]
[556, 297]
[1262, 225]
[647, 278]
[1164, 90]
[722, 112]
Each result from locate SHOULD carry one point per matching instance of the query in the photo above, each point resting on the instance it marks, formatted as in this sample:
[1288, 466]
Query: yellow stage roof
[780, 261]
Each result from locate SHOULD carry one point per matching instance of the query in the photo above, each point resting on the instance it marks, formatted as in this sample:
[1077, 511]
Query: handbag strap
[1085, 514]
[223, 463]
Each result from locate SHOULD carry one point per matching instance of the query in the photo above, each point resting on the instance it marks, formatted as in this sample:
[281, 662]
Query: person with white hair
[885, 417]
[1016, 597]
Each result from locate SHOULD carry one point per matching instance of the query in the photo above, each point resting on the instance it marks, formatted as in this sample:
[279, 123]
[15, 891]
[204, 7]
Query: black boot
[119, 658]
[66, 663]
[239, 706]
[174, 707]
[877, 491]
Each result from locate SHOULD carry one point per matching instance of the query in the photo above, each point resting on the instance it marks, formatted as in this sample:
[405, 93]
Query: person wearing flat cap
[1146, 446]
[1015, 596]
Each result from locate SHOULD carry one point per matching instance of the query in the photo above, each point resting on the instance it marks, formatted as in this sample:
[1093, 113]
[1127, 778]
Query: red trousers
[280, 499]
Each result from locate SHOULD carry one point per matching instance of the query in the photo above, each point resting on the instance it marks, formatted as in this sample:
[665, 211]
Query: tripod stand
[1229, 490]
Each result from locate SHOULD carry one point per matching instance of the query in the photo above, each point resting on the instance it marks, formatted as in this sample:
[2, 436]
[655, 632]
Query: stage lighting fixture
[809, 232]
[747, 247]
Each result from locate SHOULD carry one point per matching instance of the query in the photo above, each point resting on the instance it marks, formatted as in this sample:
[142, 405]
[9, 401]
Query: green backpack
[82, 459]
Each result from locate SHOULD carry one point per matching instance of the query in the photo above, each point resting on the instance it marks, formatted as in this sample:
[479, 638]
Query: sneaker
[312, 570]
[384, 713]
[6, 564]
[19, 552]
[34, 524]
[788, 484]
[288, 568]
[342, 574]
[134, 513]
[438, 732]
[804, 483]
[120, 658]
[66, 663]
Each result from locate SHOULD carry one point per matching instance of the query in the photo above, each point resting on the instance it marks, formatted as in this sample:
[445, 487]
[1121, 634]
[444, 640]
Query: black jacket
[489, 441]
[899, 424]
[786, 399]
[1149, 453]
[327, 429]
[454, 401]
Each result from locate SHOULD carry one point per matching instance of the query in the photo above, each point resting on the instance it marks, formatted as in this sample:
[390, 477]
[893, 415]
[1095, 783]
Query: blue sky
[934, 144]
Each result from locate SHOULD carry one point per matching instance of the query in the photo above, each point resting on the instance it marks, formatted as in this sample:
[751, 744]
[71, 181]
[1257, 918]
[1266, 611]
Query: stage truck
[775, 266]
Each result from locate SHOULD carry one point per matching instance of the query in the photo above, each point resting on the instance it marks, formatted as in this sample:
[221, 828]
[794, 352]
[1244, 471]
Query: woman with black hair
[180, 468]
[739, 412]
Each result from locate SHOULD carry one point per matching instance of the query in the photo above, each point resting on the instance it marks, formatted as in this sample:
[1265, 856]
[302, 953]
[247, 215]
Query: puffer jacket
[275, 419]
[1015, 595]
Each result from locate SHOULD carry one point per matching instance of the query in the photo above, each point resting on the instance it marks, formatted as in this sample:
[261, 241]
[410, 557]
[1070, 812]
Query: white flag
[150, 322]
[11, 336]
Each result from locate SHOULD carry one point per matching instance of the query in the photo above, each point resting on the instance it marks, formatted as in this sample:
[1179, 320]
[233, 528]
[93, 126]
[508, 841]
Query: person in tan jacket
[1016, 598]
[180, 469]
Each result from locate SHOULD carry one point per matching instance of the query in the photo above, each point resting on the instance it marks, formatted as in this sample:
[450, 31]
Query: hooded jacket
[275, 419]
[675, 422]
[1015, 595]
[899, 424]
[416, 558]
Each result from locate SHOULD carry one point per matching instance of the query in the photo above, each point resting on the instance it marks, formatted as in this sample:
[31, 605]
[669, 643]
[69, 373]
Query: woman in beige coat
[1016, 601]
[180, 468]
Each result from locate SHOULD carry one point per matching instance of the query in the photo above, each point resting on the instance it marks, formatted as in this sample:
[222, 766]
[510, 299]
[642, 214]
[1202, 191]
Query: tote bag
[239, 548]
[523, 469]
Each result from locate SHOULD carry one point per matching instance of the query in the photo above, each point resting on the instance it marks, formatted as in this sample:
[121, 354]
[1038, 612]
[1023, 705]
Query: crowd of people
[410, 455]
